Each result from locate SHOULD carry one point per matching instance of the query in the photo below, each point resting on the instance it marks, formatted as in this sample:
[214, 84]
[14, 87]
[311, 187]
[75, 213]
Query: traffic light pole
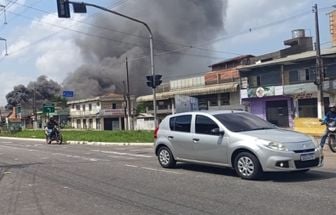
[150, 44]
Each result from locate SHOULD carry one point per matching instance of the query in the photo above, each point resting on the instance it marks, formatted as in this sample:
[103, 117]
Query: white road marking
[79, 157]
[152, 169]
[160, 170]
[129, 165]
[120, 157]
[123, 153]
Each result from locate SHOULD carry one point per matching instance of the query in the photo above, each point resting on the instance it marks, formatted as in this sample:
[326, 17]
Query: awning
[204, 90]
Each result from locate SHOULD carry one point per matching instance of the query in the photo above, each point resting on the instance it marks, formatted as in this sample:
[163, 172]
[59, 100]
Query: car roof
[211, 112]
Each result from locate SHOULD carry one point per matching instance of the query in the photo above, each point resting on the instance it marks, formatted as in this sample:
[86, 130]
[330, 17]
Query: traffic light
[158, 80]
[63, 8]
[153, 82]
[150, 81]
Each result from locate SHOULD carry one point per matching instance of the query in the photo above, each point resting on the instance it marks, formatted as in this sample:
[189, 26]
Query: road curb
[83, 142]
[109, 143]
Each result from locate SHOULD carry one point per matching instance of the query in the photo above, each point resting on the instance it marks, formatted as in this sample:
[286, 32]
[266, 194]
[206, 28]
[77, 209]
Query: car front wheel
[166, 158]
[247, 166]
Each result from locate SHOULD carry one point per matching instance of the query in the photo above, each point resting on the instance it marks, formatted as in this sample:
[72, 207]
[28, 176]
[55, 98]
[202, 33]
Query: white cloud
[44, 47]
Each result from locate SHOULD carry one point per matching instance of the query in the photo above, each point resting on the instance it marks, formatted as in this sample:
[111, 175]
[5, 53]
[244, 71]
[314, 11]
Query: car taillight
[155, 132]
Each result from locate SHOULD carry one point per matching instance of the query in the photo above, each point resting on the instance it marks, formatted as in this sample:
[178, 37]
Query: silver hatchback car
[235, 139]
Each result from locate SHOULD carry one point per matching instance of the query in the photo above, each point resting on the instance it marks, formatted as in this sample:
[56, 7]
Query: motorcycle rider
[52, 124]
[331, 115]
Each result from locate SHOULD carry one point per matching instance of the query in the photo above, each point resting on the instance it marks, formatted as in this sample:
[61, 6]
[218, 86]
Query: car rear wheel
[166, 158]
[247, 166]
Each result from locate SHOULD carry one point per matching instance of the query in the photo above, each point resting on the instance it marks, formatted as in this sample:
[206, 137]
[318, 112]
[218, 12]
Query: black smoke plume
[43, 90]
[175, 23]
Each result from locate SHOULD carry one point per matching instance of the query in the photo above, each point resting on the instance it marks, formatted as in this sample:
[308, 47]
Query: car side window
[204, 125]
[180, 123]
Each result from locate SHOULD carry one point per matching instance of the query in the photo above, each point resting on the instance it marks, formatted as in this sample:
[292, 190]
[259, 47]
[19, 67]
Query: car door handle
[195, 140]
[170, 137]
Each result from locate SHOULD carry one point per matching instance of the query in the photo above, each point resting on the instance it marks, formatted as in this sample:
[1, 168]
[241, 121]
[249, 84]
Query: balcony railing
[112, 112]
[83, 113]
[103, 113]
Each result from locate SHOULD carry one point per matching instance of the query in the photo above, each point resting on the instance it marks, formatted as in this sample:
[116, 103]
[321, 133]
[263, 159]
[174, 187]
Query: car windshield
[239, 122]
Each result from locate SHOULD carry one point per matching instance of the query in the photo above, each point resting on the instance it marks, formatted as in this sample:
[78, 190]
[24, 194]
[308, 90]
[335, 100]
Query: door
[179, 136]
[277, 113]
[208, 146]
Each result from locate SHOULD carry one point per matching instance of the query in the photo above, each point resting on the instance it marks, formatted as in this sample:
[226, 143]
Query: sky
[40, 43]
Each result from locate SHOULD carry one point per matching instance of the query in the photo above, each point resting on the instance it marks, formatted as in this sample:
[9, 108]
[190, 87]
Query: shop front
[269, 103]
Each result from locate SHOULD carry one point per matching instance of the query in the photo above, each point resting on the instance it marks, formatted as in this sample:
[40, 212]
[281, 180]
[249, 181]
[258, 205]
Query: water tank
[297, 33]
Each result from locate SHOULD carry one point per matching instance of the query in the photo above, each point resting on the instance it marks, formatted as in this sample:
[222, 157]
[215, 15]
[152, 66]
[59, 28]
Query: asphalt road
[38, 179]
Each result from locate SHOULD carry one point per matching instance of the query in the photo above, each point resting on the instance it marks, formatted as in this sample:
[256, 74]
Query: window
[293, 76]
[90, 107]
[114, 106]
[238, 122]
[77, 107]
[204, 125]
[225, 99]
[254, 81]
[307, 73]
[83, 107]
[180, 123]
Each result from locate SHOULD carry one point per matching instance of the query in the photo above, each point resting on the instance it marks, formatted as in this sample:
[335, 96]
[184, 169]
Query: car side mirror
[217, 131]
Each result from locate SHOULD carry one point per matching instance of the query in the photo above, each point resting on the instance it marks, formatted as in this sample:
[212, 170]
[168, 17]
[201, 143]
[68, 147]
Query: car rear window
[180, 123]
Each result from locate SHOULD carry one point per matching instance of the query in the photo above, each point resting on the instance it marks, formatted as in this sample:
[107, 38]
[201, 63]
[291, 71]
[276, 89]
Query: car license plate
[307, 157]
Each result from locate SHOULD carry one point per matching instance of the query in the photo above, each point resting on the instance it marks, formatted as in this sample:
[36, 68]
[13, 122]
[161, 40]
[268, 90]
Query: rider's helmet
[332, 107]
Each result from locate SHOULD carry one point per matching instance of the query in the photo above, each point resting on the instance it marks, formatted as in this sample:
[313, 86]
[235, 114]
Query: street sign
[68, 93]
[48, 109]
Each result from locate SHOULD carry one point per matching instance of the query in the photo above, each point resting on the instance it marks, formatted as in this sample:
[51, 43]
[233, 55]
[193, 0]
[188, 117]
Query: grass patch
[91, 136]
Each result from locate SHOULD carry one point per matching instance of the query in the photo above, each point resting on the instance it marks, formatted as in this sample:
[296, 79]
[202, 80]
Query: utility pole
[129, 114]
[319, 69]
[125, 106]
[34, 108]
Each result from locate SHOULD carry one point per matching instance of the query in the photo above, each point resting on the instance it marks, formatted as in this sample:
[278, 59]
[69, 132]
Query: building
[282, 89]
[107, 112]
[217, 89]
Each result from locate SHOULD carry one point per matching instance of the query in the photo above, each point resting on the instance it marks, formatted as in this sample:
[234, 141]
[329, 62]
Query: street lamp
[80, 7]
[6, 53]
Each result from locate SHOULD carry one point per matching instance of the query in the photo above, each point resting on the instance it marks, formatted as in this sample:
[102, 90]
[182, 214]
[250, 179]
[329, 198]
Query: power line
[137, 36]
[178, 50]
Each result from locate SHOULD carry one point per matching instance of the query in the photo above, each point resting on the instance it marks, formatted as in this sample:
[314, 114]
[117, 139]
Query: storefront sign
[263, 92]
[303, 95]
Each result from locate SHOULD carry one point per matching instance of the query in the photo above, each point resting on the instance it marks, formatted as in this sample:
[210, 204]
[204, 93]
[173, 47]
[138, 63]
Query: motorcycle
[53, 134]
[331, 138]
